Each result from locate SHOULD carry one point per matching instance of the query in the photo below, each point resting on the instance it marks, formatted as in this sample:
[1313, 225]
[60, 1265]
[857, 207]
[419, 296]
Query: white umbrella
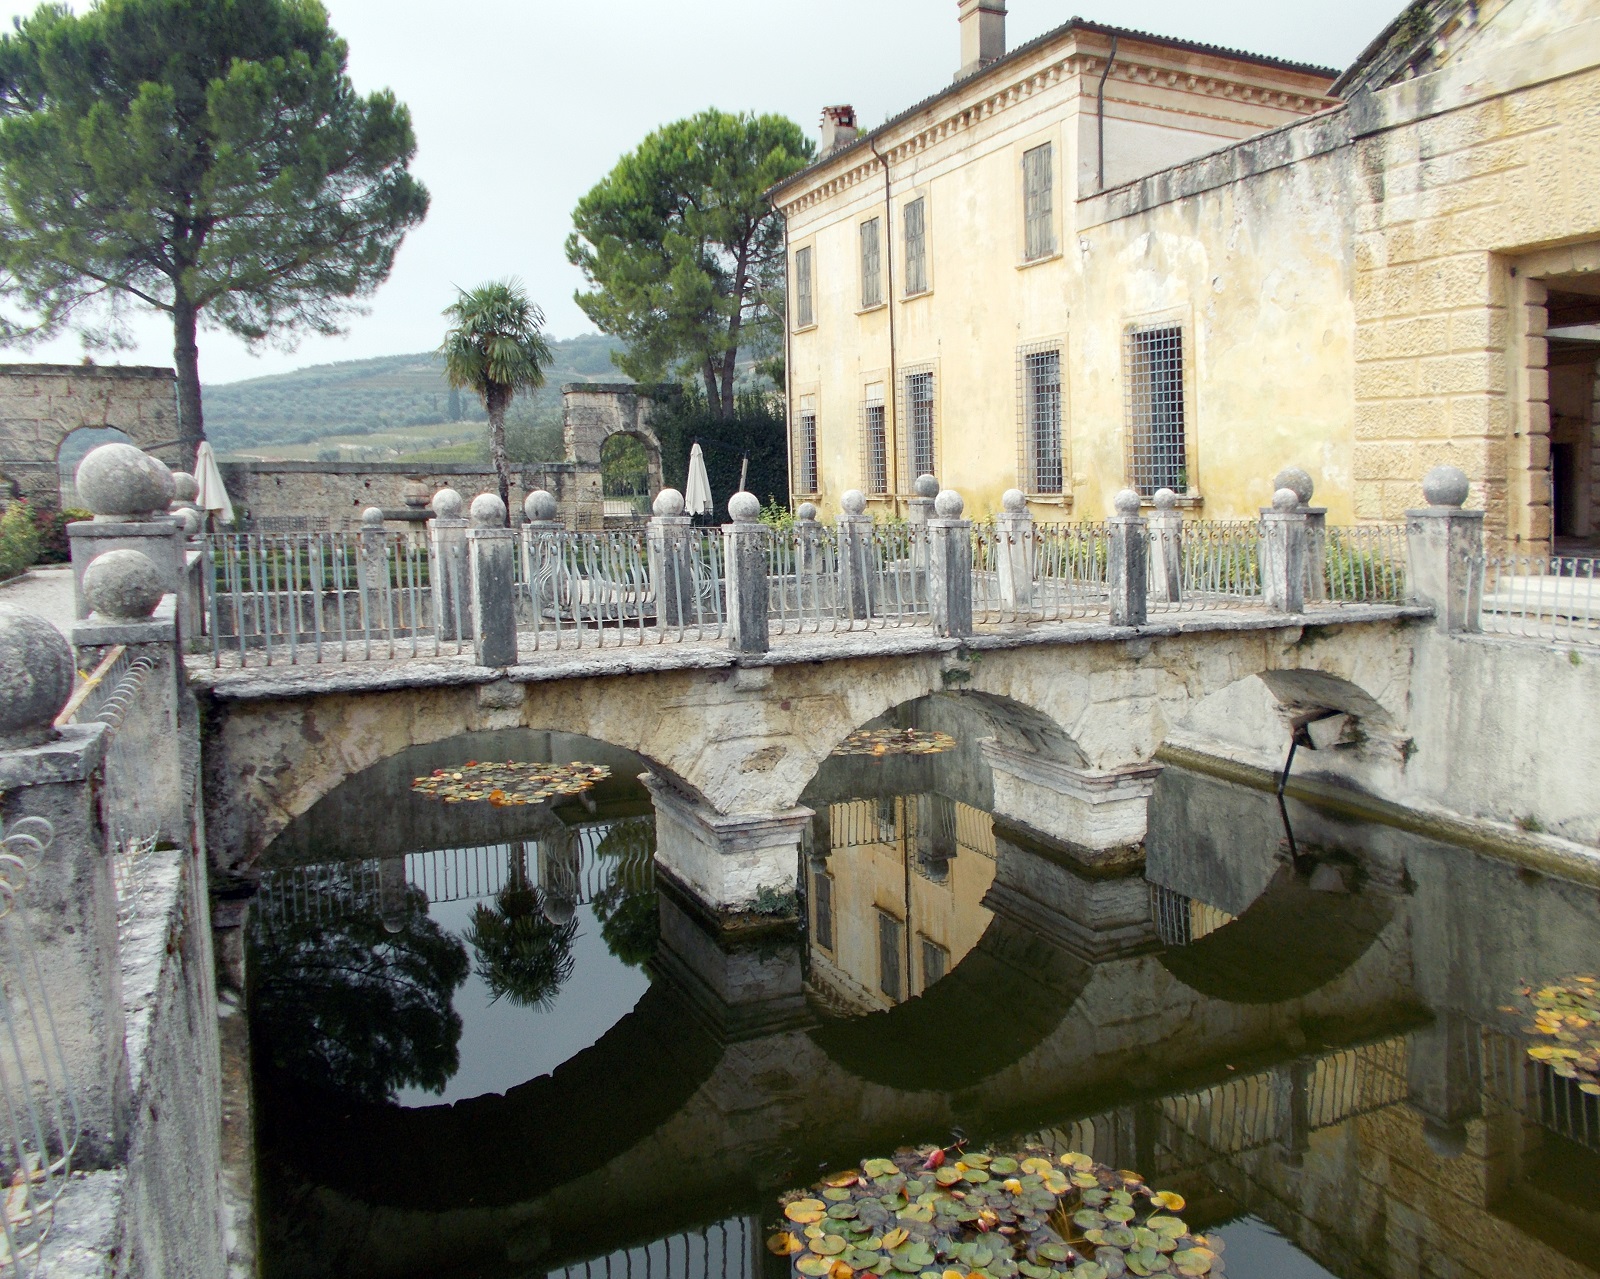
[697, 500]
[213, 494]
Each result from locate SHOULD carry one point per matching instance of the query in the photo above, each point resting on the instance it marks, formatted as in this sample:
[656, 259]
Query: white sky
[522, 105]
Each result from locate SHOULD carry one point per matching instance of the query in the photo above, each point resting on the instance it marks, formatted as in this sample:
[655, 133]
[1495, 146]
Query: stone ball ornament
[669, 502]
[539, 505]
[744, 507]
[853, 502]
[806, 511]
[123, 585]
[488, 511]
[447, 504]
[1285, 501]
[1013, 501]
[372, 517]
[1165, 500]
[1292, 477]
[1446, 486]
[36, 677]
[949, 505]
[190, 521]
[120, 482]
[926, 486]
[1126, 502]
[185, 488]
[415, 495]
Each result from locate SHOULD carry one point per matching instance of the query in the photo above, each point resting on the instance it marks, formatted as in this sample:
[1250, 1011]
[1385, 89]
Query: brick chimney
[838, 129]
[983, 34]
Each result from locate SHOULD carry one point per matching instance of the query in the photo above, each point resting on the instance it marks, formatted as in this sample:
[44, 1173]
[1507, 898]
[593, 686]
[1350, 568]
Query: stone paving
[45, 591]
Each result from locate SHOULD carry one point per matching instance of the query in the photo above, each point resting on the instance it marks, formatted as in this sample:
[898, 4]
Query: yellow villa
[1108, 259]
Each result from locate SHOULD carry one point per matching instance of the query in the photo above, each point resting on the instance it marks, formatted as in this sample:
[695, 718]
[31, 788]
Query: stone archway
[74, 447]
[593, 412]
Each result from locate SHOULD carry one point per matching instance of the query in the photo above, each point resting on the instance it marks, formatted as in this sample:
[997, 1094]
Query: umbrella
[697, 501]
[213, 495]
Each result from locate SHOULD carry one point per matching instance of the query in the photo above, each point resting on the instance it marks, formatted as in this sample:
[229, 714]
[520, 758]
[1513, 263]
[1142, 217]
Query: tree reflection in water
[362, 1004]
[523, 940]
[630, 924]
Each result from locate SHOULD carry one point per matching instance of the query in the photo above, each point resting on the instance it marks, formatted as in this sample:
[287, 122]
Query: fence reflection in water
[729, 1249]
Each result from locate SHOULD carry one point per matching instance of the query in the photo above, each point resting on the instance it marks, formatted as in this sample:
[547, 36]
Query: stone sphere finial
[488, 511]
[668, 502]
[1013, 501]
[372, 517]
[1292, 477]
[185, 488]
[120, 482]
[1285, 500]
[447, 504]
[191, 521]
[1126, 502]
[1446, 486]
[744, 507]
[540, 505]
[949, 505]
[36, 677]
[415, 495]
[558, 909]
[853, 502]
[122, 585]
[926, 486]
[1165, 499]
[806, 511]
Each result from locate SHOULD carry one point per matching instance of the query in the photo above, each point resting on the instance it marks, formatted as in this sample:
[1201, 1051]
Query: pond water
[490, 1042]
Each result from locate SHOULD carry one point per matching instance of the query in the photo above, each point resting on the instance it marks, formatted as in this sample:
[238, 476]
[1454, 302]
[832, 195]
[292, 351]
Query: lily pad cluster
[950, 1214]
[896, 741]
[1566, 1014]
[508, 785]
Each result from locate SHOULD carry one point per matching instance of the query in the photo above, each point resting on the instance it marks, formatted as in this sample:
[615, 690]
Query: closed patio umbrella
[213, 495]
[697, 497]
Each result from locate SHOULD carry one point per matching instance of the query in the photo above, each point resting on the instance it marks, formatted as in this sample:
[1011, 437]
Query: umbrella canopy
[213, 495]
[697, 498]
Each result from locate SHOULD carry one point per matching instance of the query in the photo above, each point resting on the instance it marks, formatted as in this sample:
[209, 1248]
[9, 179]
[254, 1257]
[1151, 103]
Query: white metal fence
[1540, 597]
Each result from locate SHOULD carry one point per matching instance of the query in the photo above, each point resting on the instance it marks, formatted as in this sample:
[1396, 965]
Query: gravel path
[46, 591]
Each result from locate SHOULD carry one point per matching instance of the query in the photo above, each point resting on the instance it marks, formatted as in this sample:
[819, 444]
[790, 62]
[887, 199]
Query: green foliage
[777, 516]
[624, 466]
[523, 945]
[199, 157]
[773, 901]
[19, 539]
[685, 254]
[756, 429]
[54, 545]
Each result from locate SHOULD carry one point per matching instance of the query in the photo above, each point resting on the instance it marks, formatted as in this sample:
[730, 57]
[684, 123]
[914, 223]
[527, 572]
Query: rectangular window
[1041, 421]
[1156, 420]
[935, 962]
[916, 247]
[874, 442]
[891, 940]
[917, 411]
[805, 447]
[1038, 203]
[871, 263]
[803, 315]
[822, 900]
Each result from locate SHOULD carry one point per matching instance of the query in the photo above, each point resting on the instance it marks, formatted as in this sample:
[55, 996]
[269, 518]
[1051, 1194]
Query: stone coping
[276, 683]
[419, 469]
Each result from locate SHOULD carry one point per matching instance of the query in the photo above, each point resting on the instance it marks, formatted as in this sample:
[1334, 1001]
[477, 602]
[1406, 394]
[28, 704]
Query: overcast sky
[522, 105]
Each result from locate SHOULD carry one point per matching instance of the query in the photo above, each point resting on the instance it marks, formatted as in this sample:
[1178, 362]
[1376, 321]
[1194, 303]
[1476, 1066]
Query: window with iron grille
[805, 446]
[1043, 457]
[935, 962]
[917, 247]
[822, 900]
[1157, 447]
[1038, 203]
[871, 263]
[874, 442]
[803, 316]
[891, 939]
[921, 431]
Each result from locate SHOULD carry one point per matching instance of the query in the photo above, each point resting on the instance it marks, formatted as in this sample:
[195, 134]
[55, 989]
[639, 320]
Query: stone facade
[592, 412]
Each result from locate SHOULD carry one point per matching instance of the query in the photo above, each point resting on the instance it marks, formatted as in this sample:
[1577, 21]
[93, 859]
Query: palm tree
[496, 347]
[524, 940]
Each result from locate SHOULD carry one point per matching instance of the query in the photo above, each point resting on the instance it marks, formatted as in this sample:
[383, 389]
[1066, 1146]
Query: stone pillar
[950, 566]
[724, 861]
[372, 573]
[919, 510]
[1166, 549]
[66, 898]
[1086, 911]
[491, 551]
[745, 545]
[1017, 555]
[130, 493]
[1292, 477]
[448, 567]
[540, 551]
[671, 565]
[1128, 568]
[1102, 814]
[1444, 550]
[858, 578]
[807, 541]
[1283, 554]
[743, 988]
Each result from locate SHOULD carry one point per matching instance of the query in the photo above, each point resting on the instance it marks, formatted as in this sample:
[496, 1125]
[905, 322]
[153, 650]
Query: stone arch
[75, 445]
[593, 412]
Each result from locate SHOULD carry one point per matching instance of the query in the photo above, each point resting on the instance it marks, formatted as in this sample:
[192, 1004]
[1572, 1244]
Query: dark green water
[488, 1045]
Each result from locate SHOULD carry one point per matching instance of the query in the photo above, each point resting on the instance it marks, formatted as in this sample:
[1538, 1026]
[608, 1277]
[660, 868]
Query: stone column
[1283, 553]
[540, 528]
[448, 567]
[950, 566]
[743, 988]
[1103, 814]
[491, 551]
[745, 545]
[1017, 555]
[372, 574]
[1166, 549]
[1444, 550]
[1128, 567]
[130, 493]
[1292, 477]
[858, 579]
[1080, 906]
[671, 568]
[919, 510]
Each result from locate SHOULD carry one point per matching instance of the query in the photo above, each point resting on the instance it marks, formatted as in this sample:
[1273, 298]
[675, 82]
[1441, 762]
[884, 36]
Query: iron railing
[730, 1249]
[823, 580]
[1540, 597]
[1532, 1089]
[1360, 564]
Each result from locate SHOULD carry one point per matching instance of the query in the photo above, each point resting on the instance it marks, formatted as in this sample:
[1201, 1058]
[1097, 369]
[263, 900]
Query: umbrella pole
[744, 471]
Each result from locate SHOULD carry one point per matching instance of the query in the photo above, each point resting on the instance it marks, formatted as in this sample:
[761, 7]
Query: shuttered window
[822, 897]
[872, 262]
[1038, 203]
[891, 942]
[804, 317]
[917, 247]
[1157, 444]
[935, 962]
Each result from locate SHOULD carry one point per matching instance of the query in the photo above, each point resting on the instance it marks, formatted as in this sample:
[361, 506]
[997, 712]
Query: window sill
[876, 306]
[804, 328]
[1063, 500]
[1186, 502]
[915, 297]
[1032, 262]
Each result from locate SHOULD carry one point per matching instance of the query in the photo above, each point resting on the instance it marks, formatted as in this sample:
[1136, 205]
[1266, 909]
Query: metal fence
[728, 1249]
[1531, 1089]
[1360, 564]
[1539, 597]
[822, 580]
[1180, 920]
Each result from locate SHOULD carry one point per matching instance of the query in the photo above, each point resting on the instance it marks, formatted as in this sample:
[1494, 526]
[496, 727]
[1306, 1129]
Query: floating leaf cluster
[896, 741]
[1567, 1013]
[508, 785]
[955, 1215]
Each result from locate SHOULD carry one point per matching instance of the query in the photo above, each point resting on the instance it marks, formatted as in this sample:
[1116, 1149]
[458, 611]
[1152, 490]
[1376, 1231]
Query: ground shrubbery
[756, 430]
[19, 539]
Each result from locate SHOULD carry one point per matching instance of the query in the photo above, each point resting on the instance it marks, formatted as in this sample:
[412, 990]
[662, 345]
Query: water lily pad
[1088, 1270]
[814, 1266]
[876, 1168]
[1054, 1251]
[1073, 1159]
[947, 1176]
[783, 1244]
[892, 1239]
[805, 1211]
[1169, 1200]
[837, 1194]
[509, 784]
[1004, 1165]
[1193, 1261]
[1088, 1219]
[828, 1246]
[1162, 1225]
[842, 1212]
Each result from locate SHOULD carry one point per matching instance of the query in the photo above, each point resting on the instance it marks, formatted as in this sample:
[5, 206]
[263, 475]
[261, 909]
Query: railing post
[1127, 570]
[1016, 558]
[449, 571]
[1283, 553]
[129, 492]
[491, 547]
[1444, 547]
[372, 572]
[858, 582]
[1300, 481]
[950, 566]
[671, 568]
[1166, 549]
[745, 545]
[919, 510]
[539, 529]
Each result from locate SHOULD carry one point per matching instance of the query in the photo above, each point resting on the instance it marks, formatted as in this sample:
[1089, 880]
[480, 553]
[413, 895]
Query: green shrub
[756, 430]
[54, 545]
[19, 539]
